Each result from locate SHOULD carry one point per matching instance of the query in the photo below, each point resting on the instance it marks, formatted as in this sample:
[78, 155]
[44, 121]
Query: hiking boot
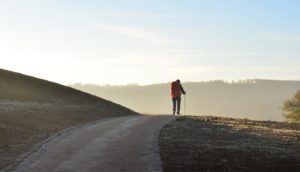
[173, 112]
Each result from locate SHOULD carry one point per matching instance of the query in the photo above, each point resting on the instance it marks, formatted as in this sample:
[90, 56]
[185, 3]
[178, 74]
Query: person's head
[178, 80]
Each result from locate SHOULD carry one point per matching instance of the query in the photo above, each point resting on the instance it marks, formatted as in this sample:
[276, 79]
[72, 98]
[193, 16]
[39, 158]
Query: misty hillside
[32, 109]
[253, 99]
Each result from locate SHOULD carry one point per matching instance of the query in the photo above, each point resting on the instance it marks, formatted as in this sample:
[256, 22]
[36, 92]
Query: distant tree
[292, 107]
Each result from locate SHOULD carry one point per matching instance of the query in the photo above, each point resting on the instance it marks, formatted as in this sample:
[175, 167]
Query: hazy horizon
[120, 42]
[243, 81]
[259, 100]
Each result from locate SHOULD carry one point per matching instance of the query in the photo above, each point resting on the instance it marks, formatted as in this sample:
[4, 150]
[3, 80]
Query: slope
[32, 109]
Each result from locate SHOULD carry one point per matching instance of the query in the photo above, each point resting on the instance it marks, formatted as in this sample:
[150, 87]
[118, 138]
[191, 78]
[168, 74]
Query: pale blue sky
[150, 41]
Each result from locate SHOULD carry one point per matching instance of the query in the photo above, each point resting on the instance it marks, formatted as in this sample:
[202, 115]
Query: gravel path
[110, 145]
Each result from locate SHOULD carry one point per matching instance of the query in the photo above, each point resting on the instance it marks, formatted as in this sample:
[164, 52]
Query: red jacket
[176, 89]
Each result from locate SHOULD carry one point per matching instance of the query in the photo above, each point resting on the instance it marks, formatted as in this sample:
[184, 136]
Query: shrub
[292, 108]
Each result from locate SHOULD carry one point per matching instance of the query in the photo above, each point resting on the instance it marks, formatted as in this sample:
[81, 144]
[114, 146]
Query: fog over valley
[252, 99]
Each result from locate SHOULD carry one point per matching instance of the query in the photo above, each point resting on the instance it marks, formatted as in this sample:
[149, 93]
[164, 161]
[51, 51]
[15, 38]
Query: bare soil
[224, 144]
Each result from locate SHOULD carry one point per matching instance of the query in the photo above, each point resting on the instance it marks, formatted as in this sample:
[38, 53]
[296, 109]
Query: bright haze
[150, 41]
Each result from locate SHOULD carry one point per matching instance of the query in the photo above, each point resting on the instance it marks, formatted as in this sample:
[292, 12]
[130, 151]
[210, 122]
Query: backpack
[175, 89]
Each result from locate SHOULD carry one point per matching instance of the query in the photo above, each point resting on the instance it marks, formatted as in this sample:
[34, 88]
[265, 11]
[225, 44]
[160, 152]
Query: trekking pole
[184, 104]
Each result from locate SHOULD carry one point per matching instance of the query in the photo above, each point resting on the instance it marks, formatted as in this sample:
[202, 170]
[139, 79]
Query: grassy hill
[32, 109]
[253, 99]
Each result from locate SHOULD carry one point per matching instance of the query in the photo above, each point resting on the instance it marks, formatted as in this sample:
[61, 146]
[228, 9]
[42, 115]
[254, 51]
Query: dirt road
[110, 145]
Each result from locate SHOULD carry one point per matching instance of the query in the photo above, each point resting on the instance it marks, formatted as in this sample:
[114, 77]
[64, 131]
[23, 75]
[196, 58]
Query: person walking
[176, 90]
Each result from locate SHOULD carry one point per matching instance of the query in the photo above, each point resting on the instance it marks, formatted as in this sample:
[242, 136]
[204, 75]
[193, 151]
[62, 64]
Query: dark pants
[176, 102]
